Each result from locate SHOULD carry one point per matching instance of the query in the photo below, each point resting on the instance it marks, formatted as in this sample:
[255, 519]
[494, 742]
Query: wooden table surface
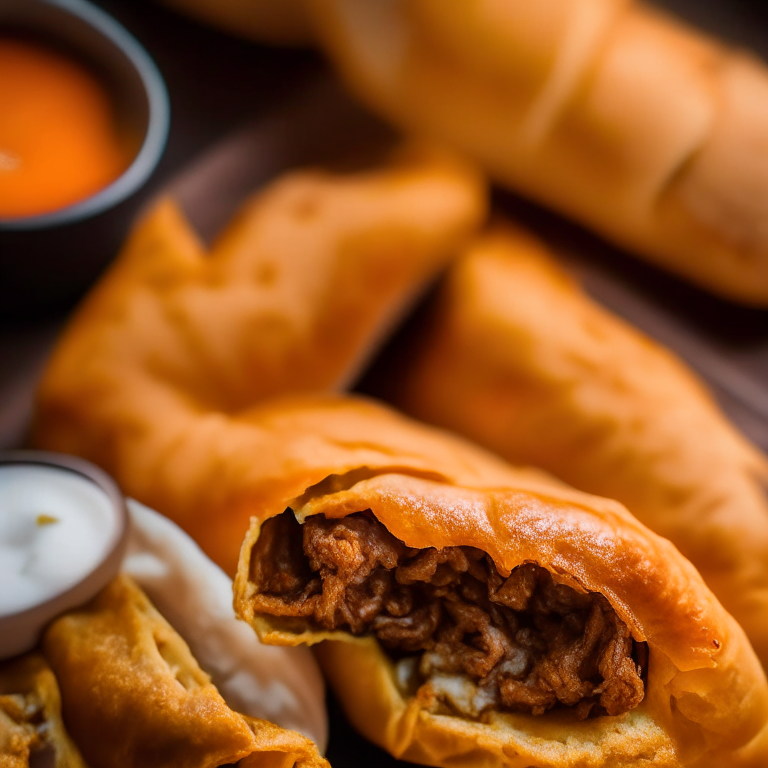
[218, 84]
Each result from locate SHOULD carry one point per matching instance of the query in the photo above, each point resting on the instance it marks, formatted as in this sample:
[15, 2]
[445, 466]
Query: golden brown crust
[607, 110]
[173, 346]
[553, 380]
[133, 695]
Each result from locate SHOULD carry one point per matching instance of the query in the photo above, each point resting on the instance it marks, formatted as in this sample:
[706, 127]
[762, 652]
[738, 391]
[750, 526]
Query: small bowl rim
[112, 555]
[155, 138]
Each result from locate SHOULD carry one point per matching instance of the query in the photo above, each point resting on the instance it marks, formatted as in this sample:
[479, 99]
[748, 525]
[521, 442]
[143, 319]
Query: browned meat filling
[22, 726]
[465, 637]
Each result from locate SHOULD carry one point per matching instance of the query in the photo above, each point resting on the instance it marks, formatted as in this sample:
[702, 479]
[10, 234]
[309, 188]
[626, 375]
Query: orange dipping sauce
[59, 138]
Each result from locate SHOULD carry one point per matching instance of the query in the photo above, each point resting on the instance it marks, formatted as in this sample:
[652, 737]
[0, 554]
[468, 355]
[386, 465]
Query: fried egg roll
[133, 694]
[516, 357]
[608, 111]
[469, 613]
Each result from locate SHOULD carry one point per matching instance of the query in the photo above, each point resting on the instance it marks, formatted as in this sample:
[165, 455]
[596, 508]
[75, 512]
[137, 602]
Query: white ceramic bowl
[20, 631]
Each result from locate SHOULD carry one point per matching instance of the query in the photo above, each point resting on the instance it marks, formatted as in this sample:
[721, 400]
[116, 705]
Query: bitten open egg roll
[133, 694]
[31, 727]
[516, 357]
[609, 111]
[176, 342]
[474, 614]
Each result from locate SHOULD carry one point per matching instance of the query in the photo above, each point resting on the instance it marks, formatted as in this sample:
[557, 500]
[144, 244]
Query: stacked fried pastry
[115, 679]
[114, 684]
[466, 612]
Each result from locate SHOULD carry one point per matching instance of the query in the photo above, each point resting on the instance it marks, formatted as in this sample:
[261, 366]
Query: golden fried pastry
[606, 110]
[283, 22]
[133, 694]
[516, 357]
[474, 614]
[175, 343]
[30, 716]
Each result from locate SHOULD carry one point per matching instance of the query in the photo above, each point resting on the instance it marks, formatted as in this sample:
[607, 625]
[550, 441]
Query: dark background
[218, 83]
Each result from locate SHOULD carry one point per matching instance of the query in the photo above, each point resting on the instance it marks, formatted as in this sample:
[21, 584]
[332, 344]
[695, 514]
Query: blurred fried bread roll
[133, 694]
[469, 613]
[31, 726]
[175, 342]
[284, 22]
[516, 357]
[606, 110]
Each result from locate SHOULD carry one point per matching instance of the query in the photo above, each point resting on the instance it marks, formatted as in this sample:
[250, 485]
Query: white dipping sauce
[56, 526]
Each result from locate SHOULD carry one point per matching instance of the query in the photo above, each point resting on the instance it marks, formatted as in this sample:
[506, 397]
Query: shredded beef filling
[465, 638]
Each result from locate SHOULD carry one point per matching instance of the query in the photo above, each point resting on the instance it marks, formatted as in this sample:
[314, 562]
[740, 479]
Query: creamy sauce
[55, 528]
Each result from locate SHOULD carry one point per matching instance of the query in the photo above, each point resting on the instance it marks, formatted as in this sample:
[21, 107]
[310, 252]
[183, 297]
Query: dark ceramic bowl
[20, 631]
[47, 260]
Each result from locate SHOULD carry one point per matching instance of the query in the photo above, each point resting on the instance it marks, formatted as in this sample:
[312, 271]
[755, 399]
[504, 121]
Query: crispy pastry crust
[707, 697]
[551, 379]
[173, 346]
[133, 695]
